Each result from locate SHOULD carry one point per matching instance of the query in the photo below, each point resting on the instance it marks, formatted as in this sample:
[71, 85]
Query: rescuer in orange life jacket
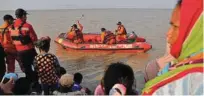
[75, 34]
[107, 37]
[9, 47]
[121, 33]
[23, 37]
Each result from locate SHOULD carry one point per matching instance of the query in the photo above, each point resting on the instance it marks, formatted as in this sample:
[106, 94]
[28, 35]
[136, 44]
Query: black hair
[43, 45]
[119, 73]
[74, 25]
[20, 13]
[78, 77]
[103, 29]
[22, 86]
[179, 2]
[62, 71]
[46, 46]
[8, 17]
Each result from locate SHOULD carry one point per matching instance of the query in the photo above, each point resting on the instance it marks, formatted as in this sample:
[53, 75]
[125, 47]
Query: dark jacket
[2, 62]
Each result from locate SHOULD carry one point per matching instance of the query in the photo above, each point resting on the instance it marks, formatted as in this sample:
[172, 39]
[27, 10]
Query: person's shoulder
[28, 24]
[37, 57]
[76, 87]
[51, 55]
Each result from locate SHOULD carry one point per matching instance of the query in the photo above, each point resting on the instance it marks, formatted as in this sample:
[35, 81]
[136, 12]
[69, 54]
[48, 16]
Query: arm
[32, 34]
[80, 26]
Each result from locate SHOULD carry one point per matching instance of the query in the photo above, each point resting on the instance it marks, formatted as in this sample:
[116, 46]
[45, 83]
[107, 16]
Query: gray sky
[67, 4]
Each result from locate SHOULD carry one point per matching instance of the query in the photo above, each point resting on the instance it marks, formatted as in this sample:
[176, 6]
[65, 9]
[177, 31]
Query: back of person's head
[22, 87]
[20, 13]
[43, 43]
[103, 29]
[78, 77]
[179, 2]
[8, 17]
[119, 23]
[66, 82]
[118, 73]
[74, 25]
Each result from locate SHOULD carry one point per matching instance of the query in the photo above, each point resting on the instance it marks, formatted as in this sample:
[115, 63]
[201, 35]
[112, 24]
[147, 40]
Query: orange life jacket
[108, 36]
[18, 37]
[4, 34]
[6, 41]
[78, 35]
[124, 31]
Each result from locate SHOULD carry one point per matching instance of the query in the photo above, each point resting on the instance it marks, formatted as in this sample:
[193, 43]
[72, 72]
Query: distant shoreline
[90, 9]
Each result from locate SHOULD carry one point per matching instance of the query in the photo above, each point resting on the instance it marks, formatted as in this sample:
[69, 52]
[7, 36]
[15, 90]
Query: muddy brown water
[151, 24]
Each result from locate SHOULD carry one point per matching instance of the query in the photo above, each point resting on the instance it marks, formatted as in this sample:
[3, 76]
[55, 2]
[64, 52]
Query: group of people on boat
[75, 34]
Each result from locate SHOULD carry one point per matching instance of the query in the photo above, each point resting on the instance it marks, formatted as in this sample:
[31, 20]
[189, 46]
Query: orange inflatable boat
[137, 44]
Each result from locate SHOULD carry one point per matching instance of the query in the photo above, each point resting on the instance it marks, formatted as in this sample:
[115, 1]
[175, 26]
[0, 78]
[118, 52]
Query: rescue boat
[91, 43]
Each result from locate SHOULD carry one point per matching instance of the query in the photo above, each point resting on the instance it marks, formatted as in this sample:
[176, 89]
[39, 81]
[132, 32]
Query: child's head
[66, 80]
[22, 86]
[78, 77]
[118, 73]
[43, 44]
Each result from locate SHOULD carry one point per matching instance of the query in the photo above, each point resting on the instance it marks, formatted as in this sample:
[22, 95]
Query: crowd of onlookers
[43, 72]
[49, 78]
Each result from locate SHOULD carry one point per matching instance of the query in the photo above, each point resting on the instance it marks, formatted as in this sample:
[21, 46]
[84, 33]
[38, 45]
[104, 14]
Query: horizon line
[84, 9]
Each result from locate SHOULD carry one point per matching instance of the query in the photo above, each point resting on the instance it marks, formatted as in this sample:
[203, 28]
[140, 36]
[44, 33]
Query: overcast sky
[74, 4]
